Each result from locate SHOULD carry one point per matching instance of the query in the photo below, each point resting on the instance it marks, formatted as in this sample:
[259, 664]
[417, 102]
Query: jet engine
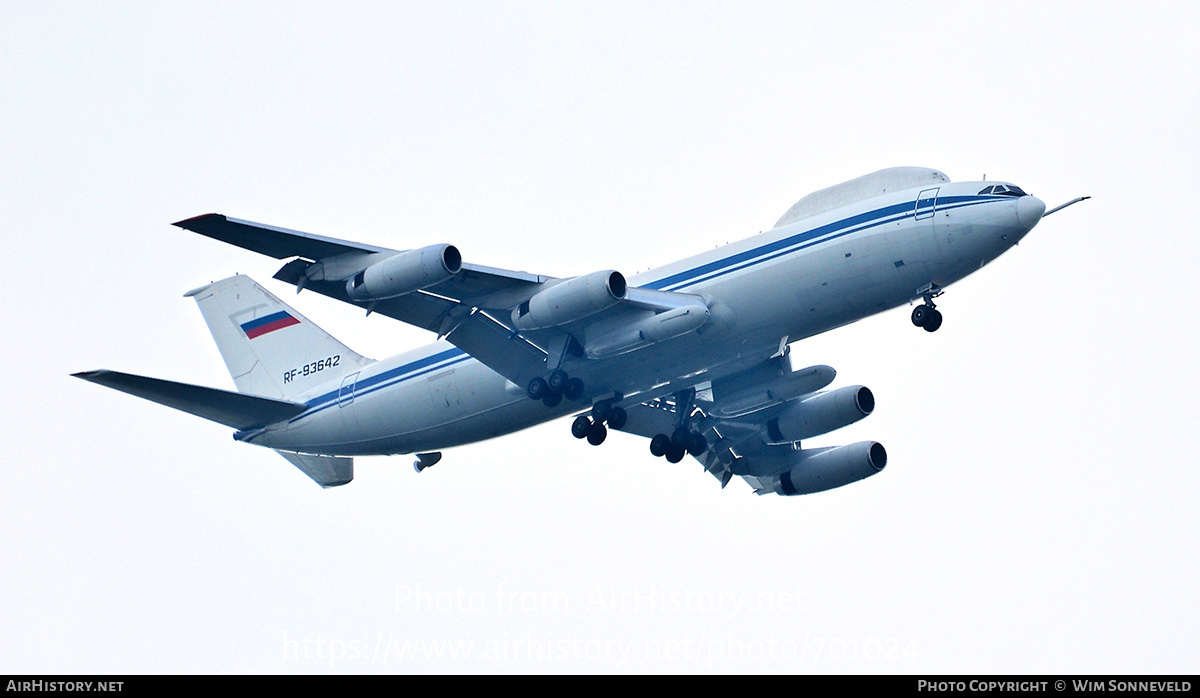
[804, 418]
[821, 469]
[570, 300]
[405, 272]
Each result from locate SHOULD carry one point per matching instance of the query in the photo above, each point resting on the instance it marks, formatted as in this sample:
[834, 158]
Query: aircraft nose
[1029, 211]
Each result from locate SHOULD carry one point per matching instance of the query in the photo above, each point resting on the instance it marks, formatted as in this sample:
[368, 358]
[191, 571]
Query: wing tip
[190, 223]
[90, 375]
[196, 291]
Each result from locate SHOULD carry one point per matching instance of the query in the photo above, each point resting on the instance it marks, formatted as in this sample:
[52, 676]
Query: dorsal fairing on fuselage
[892, 179]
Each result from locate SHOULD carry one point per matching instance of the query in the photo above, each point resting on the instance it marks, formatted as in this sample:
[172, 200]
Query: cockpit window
[1003, 190]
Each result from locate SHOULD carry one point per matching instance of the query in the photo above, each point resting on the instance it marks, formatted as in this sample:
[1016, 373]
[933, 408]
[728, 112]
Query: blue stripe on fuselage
[386, 379]
[806, 239]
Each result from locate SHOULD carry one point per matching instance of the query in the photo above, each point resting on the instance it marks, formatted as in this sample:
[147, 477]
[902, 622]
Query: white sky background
[1036, 514]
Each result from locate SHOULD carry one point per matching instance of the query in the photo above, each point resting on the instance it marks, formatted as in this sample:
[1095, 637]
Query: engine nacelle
[571, 300]
[826, 468]
[405, 272]
[807, 417]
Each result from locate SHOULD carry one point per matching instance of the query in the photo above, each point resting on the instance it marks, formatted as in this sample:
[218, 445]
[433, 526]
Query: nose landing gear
[927, 316]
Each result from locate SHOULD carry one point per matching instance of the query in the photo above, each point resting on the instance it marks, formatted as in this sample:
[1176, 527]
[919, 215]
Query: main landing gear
[680, 443]
[552, 389]
[592, 428]
[927, 316]
[684, 439]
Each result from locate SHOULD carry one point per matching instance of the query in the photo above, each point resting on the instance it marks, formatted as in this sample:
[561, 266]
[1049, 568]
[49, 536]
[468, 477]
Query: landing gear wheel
[572, 389]
[675, 453]
[617, 418]
[557, 379]
[581, 426]
[659, 445]
[920, 315]
[596, 434]
[552, 398]
[933, 320]
[601, 410]
[681, 438]
[697, 444]
[537, 389]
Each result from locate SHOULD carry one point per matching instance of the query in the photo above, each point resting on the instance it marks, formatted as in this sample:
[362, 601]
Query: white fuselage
[792, 282]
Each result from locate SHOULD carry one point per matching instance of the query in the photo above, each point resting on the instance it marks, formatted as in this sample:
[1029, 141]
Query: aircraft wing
[324, 264]
[490, 313]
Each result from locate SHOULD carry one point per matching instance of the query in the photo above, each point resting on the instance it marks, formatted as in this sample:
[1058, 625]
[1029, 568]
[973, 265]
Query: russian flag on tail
[269, 323]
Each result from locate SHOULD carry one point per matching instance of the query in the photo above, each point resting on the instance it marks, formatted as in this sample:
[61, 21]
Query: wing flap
[498, 348]
[222, 406]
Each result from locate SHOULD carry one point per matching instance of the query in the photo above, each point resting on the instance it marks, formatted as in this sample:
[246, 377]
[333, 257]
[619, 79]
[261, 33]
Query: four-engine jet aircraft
[693, 355]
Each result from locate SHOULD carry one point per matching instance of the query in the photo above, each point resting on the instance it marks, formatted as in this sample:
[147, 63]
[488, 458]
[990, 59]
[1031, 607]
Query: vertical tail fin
[270, 349]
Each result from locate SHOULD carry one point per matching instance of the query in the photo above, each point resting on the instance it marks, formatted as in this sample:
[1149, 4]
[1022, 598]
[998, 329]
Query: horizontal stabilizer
[225, 407]
[326, 471]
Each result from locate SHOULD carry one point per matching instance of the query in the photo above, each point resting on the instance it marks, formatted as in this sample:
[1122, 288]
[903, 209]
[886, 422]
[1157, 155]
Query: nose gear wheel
[927, 316]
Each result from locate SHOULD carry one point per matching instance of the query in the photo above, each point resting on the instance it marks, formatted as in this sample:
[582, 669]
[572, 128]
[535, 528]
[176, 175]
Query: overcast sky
[1036, 514]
